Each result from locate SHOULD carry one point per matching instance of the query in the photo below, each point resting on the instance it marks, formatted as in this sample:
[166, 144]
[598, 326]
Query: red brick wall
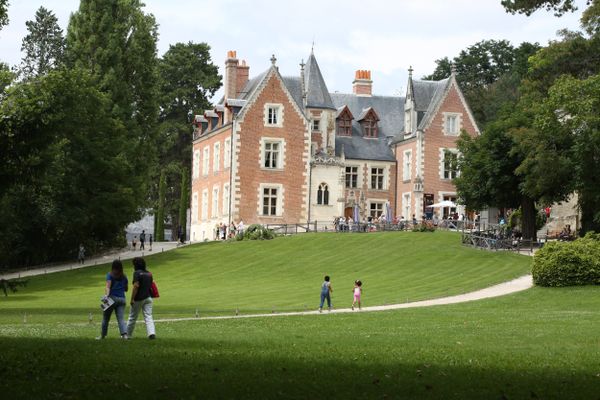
[250, 175]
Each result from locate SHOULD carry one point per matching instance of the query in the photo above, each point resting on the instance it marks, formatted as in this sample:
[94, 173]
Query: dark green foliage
[11, 285]
[184, 201]
[66, 178]
[257, 232]
[568, 263]
[424, 227]
[44, 45]
[528, 7]
[3, 13]
[160, 212]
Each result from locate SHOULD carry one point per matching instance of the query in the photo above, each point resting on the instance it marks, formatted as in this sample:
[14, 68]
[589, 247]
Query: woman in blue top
[116, 286]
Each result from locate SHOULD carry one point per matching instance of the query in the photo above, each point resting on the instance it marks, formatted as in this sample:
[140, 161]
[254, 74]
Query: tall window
[215, 202]
[323, 194]
[216, 156]
[227, 153]
[351, 177]
[195, 207]
[226, 199]
[196, 165]
[344, 125]
[205, 160]
[450, 165]
[406, 205]
[377, 178]
[370, 127]
[376, 209]
[315, 125]
[271, 154]
[406, 166]
[451, 124]
[205, 204]
[272, 115]
[269, 201]
[408, 121]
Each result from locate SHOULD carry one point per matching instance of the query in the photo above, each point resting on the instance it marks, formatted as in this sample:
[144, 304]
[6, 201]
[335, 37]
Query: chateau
[283, 149]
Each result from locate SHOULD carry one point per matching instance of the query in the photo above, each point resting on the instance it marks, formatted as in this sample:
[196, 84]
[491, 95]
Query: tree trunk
[528, 217]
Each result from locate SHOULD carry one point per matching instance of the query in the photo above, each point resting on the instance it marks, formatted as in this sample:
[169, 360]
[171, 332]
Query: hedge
[568, 263]
[256, 232]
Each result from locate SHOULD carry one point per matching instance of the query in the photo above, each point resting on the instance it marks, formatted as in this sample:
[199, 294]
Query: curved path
[516, 285]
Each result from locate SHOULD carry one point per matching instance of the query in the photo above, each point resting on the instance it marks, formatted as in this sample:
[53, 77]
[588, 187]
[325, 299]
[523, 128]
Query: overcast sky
[383, 36]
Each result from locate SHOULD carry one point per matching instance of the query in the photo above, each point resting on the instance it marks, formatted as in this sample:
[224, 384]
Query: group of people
[327, 290]
[142, 241]
[224, 232]
[117, 285]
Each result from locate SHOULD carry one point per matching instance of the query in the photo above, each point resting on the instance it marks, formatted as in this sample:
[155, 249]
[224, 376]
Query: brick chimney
[243, 74]
[362, 85]
[231, 65]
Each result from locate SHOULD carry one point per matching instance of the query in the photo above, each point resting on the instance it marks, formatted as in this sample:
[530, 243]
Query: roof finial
[312, 48]
[273, 59]
[453, 68]
[410, 71]
[302, 64]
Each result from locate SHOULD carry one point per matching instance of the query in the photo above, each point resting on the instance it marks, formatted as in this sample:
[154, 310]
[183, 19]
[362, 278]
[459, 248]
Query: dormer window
[344, 122]
[368, 121]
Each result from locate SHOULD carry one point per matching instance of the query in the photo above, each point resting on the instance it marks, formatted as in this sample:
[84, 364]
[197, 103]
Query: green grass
[542, 343]
[282, 274]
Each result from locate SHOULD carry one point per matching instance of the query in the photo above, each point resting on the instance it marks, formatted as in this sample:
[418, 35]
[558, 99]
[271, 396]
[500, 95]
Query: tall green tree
[66, 176]
[43, 47]
[116, 40]
[160, 212]
[188, 78]
[528, 7]
[184, 201]
[3, 13]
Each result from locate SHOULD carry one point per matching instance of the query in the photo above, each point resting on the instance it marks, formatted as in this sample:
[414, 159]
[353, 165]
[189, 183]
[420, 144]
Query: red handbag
[153, 289]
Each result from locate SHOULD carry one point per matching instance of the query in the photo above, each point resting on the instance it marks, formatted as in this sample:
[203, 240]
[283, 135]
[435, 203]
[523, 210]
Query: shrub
[256, 232]
[568, 263]
[424, 227]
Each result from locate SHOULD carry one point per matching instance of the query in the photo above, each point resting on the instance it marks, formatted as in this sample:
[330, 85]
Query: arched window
[323, 194]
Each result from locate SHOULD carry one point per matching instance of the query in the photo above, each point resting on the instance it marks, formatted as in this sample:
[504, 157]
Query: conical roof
[317, 94]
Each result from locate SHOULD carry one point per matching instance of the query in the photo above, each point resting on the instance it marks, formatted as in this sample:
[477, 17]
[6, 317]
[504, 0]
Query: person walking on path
[150, 242]
[357, 292]
[142, 240]
[141, 299]
[134, 242]
[81, 254]
[326, 291]
[116, 286]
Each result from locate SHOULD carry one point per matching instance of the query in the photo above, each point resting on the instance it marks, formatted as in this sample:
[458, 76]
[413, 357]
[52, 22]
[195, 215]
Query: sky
[384, 36]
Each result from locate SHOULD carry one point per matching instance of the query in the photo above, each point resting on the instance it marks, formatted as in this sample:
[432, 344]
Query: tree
[66, 177]
[6, 78]
[188, 78]
[116, 41]
[184, 201]
[160, 213]
[528, 7]
[43, 46]
[11, 285]
[3, 13]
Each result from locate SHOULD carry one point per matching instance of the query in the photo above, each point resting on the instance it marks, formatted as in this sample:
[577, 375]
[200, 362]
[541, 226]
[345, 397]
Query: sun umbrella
[442, 204]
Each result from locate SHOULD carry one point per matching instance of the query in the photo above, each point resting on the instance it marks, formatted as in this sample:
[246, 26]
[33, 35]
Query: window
[323, 194]
[406, 205]
[205, 204]
[205, 160]
[273, 115]
[227, 153]
[195, 207]
[408, 121]
[196, 165]
[450, 162]
[377, 178]
[344, 125]
[375, 210]
[451, 124]
[215, 202]
[226, 199]
[370, 127]
[351, 177]
[271, 154]
[406, 166]
[216, 156]
[448, 212]
[269, 202]
[315, 125]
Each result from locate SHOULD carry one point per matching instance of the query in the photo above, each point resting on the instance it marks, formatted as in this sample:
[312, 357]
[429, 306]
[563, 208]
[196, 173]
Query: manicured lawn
[542, 343]
[281, 274]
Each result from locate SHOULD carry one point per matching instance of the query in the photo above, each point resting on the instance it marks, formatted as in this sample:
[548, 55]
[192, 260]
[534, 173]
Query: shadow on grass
[211, 368]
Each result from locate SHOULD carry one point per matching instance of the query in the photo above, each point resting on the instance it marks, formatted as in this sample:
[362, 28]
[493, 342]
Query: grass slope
[281, 274]
[542, 343]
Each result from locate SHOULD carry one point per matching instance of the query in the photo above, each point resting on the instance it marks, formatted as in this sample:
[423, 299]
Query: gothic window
[323, 194]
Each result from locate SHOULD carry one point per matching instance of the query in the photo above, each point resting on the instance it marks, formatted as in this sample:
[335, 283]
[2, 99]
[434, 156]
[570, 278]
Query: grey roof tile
[317, 94]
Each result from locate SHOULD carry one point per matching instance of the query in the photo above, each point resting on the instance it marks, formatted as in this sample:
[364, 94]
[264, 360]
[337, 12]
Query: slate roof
[390, 110]
[317, 94]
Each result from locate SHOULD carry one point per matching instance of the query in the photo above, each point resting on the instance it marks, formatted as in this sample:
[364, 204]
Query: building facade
[283, 149]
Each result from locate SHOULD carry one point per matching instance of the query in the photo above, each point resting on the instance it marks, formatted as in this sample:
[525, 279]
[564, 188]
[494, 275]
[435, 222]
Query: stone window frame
[323, 194]
[407, 173]
[384, 180]
[446, 117]
[442, 163]
[279, 206]
[216, 156]
[281, 154]
[214, 209]
[204, 205]
[278, 107]
[227, 153]
[358, 174]
[406, 205]
[195, 207]
[226, 196]
[379, 203]
[316, 125]
[196, 164]
[206, 160]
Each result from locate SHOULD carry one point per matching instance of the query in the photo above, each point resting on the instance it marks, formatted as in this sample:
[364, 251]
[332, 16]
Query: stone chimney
[362, 85]
[231, 74]
[243, 74]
